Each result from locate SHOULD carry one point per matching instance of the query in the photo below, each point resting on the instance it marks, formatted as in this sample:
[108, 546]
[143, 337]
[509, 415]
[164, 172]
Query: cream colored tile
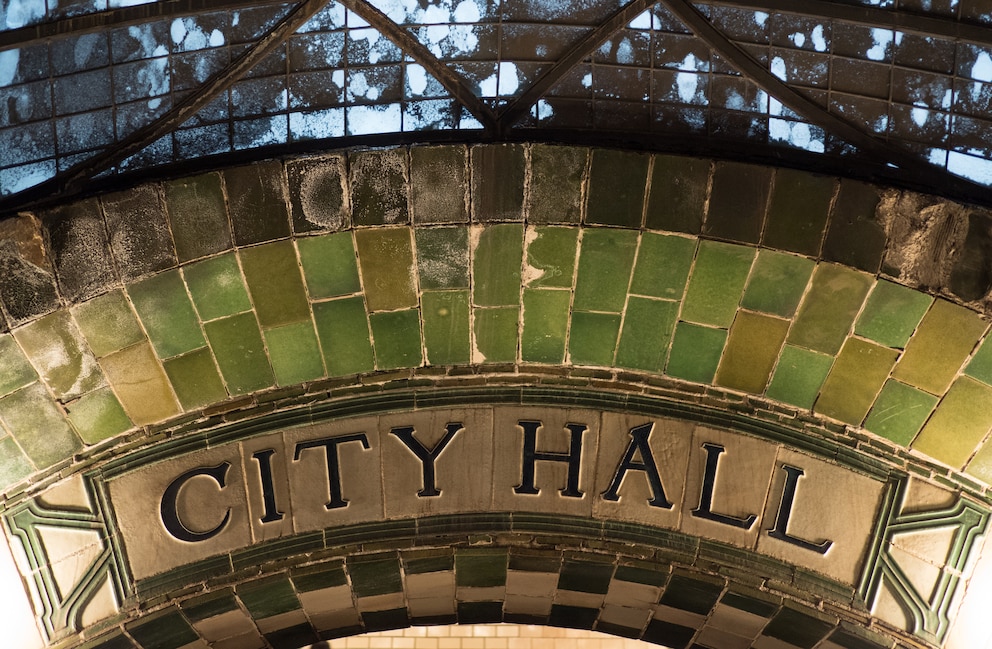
[430, 583]
[103, 605]
[734, 620]
[767, 642]
[385, 602]
[633, 618]
[924, 496]
[16, 615]
[576, 598]
[281, 621]
[225, 625]
[532, 584]
[971, 627]
[71, 553]
[335, 619]
[67, 494]
[430, 606]
[326, 599]
[141, 384]
[625, 593]
[931, 546]
[266, 462]
[523, 604]
[711, 637]
[678, 616]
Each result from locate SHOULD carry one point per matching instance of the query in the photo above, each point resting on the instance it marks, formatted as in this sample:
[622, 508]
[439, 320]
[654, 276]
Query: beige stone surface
[225, 625]
[278, 463]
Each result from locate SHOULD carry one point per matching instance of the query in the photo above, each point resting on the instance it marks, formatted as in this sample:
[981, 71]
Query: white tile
[223, 626]
[281, 621]
[626, 593]
[326, 599]
[634, 618]
[386, 602]
[531, 584]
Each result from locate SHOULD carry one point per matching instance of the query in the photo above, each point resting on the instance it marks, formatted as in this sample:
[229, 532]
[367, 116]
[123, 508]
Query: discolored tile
[717, 283]
[679, 188]
[237, 345]
[797, 212]
[752, 349]
[663, 263]
[198, 215]
[695, 352]
[854, 237]
[497, 258]
[606, 259]
[545, 314]
[272, 272]
[385, 257]
[495, 333]
[446, 326]
[891, 314]
[396, 338]
[294, 353]
[378, 187]
[498, 172]
[108, 323]
[80, 250]
[738, 200]
[195, 378]
[777, 283]
[556, 179]
[343, 330]
[962, 420]
[15, 371]
[550, 257]
[318, 193]
[854, 380]
[167, 314]
[139, 234]
[257, 203]
[899, 412]
[616, 188]
[442, 257]
[592, 338]
[438, 183]
[648, 326]
[14, 465]
[55, 347]
[829, 308]
[38, 426]
[217, 287]
[140, 384]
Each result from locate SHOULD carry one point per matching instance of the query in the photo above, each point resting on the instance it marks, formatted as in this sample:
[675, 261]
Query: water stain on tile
[438, 183]
[318, 194]
[108, 323]
[854, 235]
[27, 283]
[139, 233]
[140, 384]
[556, 179]
[385, 257]
[550, 254]
[165, 309]
[442, 257]
[198, 214]
[38, 426]
[80, 249]
[217, 287]
[55, 347]
[378, 187]
[497, 257]
[257, 203]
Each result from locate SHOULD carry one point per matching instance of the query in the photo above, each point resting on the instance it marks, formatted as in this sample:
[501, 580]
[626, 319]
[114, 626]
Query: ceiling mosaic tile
[343, 331]
[545, 321]
[900, 412]
[717, 283]
[195, 378]
[167, 314]
[217, 287]
[827, 311]
[696, 352]
[294, 353]
[272, 272]
[777, 283]
[960, 422]
[446, 327]
[753, 348]
[237, 344]
[606, 259]
[891, 314]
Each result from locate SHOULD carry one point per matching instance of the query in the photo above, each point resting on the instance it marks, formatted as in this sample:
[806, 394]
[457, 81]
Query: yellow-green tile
[960, 423]
[777, 283]
[829, 308]
[15, 370]
[899, 412]
[442, 257]
[167, 313]
[396, 339]
[237, 345]
[663, 263]
[551, 252]
[606, 259]
[695, 352]
[854, 381]
[752, 348]
[496, 265]
[56, 349]
[195, 378]
[98, 415]
[38, 426]
[545, 325]
[140, 384]
[717, 283]
[217, 287]
[891, 314]
[446, 327]
[108, 323]
[14, 465]
[798, 376]
[329, 265]
[980, 365]
[385, 256]
[275, 282]
[495, 333]
[343, 329]
[980, 466]
[592, 338]
[294, 353]
[648, 326]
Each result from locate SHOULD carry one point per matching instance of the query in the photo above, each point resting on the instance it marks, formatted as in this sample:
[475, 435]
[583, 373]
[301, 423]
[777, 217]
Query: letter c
[170, 515]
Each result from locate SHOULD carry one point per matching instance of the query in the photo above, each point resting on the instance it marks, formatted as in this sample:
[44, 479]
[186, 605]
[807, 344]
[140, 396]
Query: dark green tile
[971, 277]
[329, 265]
[573, 617]
[606, 259]
[294, 353]
[217, 287]
[848, 640]
[166, 629]
[498, 172]
[111, 640]
[442, 257]
[97, 416]
[343, 329]
[678, 194]
[385, 257]
[496, 265]
[443, 561]
[496, 334]
[370, 577]
[960, 423]
[108, 323]
[663, 263]
[752, 348]
[237, 345]
[438, 184]
[396, 337]
[15, 370]
[555, 190]
[167, 313]
[695, 352]
[268, 597]
[777, 283]
[378, 187]
[797, 213]
[647, 575]
[585, 577]
[293, 637]
[198, 215]
[257, 203]
[396, 618]
[979, 367]
[759, 607]
[139, 232]
[797, 629]
[272, 272]
[854, 236]
[829, 308]
[551, 256]
[482, 568]
[446, 327]
[616, 188]
[319, 577]
[317, 196]
[854, 380]
[56, 349]
[690, 594]
[738, 200]
[545, 325]
[717, 283]
[210, 605]
[899, 412]
[14, 465]
[592, 338]
[647, 331]
[480, 612]
[668, 634]
[798, 376]
[891, 314]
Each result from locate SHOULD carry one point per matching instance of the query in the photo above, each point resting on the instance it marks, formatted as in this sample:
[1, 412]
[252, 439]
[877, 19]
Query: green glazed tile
[294, 353]
[343, 329]
[980, 466]
[15, 370]
[606, 259]
[695, 352]
[556, 179]
[678, 193]
[195, 379]
[891, 314]
[979, 367]
[647, 331]
[108, 323]
[55, 347]
[960, 423]
[378, 186]
[854, 236]
[551, 253]
[217, 287]
[98, 415]
[446, 327]
[616, 188]
[140, 384]
[797, 213]
[166, 629]
[274, 281]
[370, 577]
[944, 339]
[738, 199]
[545, 325]
[480, 568]
[38, 426]
[198, 215]
[717, 283]
[690, 594]
[14, 465]
[442, 257]
[438, 184]
[210, 605]
[663, 263]
[831, 304]
[854, 380]
[592, 338]
[396, 338]
[167, 313]
[496, 334]
[899, 412]
[777, 283]
[268, 597]
[798, 376]
[237, 345]
[496, 265]
[385, 257]
[498, 175]
[752, 349]
[329, 265]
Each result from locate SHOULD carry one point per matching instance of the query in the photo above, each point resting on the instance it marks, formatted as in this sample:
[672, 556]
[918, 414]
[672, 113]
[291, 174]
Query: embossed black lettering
[330, 446]
[271, 511]
[169, 508]
[639, 444]
[531, 456]
[780, 530]
[426, 457]
[705, 508]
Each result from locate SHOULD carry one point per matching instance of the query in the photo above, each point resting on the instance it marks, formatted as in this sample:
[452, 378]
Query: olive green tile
[438, 183]
[496, 265]
[592, 338]
[108, 323]
[891, 314]
[442, 257]
[446, 327]
[695, 352]
[829, 308]
[294, 353]
[960, 423]
[15, 370]
[616, 188]
[195, 378]
[396, 338]
[606, 259]
[678, 193]
[198, 216]
[480, 567]
[498, 177]
[663, 263]
[98, 415]
[275, 283]
[378, 186]
[648, 326]
[545, 325]
[372, 576]
[556, 176]
[717, 283]
[737, 203]
[217, 287]
[980, 466]
[237, 345]
[797, 212]
[752, 348]
[56, 349]
[900, 412]
[935, 353]
[854, 236]
[551, 253]
[38, 425]
[140, 384]
[257, 202]
[268, 597]
[777, 283]
[855, 380]
[164, 629]
[798, 376]
[385, 257]
[495, 333]
[167, 313]
[14, 465]
[979, 367]
[329, 265]
[343, 329]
